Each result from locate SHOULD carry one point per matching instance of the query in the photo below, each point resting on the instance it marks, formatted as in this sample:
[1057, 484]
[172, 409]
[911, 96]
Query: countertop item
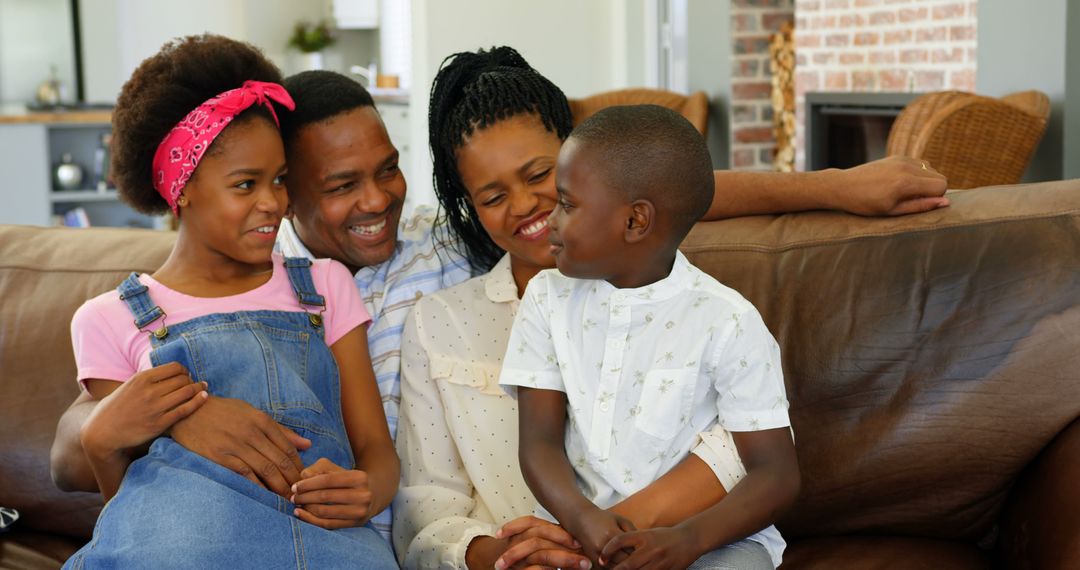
[18, 113]
[395, 96]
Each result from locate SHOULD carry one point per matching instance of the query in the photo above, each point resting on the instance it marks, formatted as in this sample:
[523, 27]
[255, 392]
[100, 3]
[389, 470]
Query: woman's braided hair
[472, 91]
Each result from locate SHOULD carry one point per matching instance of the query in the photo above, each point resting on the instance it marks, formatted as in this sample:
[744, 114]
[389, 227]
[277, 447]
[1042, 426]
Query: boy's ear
[640, 222]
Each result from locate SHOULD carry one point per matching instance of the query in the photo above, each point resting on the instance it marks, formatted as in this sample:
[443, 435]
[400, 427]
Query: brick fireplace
[843, 46]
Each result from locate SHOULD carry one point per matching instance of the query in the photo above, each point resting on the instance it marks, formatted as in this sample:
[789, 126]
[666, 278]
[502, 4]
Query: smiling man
[347, 191]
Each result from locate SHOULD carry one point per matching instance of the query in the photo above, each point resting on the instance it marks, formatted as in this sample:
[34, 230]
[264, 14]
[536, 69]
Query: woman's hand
[534, 542]
[332, 497]
[659, 548]
[132, 413]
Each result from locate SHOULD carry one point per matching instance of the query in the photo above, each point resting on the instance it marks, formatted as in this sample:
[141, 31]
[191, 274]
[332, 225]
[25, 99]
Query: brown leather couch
[932, 362]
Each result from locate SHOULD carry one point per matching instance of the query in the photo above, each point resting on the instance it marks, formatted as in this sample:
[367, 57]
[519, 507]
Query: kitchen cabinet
[396, 118]
[30, 148]
[355, 14]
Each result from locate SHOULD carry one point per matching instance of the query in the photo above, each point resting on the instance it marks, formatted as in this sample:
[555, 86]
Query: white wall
[120, 34]
[1021, 46]
[709, 69]
[34, 35]
[1072, 87]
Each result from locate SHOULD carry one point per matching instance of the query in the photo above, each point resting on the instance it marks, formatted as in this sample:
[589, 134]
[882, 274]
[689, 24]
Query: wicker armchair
[972, 140]
[695, 107]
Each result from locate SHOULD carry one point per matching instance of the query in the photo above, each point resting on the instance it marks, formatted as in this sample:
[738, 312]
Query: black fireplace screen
[849, 129]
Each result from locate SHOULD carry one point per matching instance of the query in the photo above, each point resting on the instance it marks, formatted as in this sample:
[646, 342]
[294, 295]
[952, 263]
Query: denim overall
[176, 509]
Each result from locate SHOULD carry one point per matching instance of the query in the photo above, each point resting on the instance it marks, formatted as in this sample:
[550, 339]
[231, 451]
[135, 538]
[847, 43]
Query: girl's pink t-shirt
[109, 347]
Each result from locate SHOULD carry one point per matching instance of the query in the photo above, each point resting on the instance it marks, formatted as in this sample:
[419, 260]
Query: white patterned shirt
[458, 439]
[644, 372]
[420, 265]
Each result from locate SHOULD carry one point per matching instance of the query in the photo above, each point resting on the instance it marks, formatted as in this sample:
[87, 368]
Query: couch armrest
[1040, 526]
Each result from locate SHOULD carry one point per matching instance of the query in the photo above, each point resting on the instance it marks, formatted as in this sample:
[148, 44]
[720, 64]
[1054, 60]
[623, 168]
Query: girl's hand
[536, 542]
[135, 412]
[659, 548]
[332, 497]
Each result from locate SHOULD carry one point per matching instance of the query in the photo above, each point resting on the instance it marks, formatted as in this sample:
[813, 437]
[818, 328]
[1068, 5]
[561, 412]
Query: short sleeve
[99, 353]
[717, 449]
[345, 308]
[748, 377]
[530, 359]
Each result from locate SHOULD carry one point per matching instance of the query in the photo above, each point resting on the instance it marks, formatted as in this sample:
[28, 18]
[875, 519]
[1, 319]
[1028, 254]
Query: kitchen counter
[390, 96]
[19, 114]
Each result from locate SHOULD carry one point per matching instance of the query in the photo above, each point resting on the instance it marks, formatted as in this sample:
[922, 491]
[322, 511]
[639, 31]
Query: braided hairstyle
[162, 90]
[472, 91]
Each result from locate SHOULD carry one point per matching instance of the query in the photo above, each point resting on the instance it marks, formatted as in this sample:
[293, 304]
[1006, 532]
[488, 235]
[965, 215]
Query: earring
[181, 200]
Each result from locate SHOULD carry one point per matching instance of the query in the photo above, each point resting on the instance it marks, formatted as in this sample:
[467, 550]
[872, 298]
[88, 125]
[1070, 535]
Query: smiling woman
[508, 170]
[497, 127]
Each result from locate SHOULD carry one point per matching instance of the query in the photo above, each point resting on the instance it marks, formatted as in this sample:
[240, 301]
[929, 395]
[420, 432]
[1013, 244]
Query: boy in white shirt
[641, 351]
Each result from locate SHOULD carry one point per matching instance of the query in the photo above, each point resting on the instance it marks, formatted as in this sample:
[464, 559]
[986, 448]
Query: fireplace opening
[849, 129]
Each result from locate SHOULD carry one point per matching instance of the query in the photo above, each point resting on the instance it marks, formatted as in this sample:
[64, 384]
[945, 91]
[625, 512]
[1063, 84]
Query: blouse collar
[499, 283]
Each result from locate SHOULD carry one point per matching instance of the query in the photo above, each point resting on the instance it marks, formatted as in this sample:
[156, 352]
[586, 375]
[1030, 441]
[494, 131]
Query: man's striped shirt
[422, 263]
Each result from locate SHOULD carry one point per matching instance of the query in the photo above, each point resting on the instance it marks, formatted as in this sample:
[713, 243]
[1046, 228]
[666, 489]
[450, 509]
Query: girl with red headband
[196, 132]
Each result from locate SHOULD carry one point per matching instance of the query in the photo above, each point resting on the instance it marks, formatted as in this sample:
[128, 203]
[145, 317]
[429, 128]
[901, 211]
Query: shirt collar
[676, 282]
[499, 283]
[288, 242]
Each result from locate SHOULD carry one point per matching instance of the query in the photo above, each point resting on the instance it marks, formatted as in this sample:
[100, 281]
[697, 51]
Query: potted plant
[311, 39]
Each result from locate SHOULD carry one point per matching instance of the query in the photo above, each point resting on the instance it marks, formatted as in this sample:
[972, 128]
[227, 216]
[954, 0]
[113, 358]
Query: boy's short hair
[320, 95]
[653, 153]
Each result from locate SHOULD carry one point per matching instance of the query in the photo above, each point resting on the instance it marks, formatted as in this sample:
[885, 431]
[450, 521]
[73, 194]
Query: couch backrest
[928, 358]
[45, 274]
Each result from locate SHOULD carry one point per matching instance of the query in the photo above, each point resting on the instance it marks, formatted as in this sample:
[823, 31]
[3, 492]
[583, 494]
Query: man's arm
[888, 187]
[68, 465]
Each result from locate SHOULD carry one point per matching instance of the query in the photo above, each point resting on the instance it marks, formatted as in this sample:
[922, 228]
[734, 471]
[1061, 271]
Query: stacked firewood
[782, 65]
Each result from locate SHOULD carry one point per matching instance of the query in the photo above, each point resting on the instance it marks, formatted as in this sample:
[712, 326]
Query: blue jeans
[176, 509]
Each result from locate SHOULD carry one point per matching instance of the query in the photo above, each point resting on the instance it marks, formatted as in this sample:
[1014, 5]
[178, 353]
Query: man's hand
[331, 496]
[658, 548]
[891, 186]
[139, 410]
[235, 435]
[534, 542]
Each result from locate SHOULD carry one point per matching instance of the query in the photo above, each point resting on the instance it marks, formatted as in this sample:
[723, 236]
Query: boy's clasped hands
[612, 541]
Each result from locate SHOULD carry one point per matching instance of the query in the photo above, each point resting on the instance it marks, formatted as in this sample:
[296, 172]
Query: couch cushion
[882, 553]
[928, 358]
[45, 274]
[33, 551]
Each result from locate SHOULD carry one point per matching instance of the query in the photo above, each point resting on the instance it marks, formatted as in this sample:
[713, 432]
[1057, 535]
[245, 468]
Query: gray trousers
[743, 555]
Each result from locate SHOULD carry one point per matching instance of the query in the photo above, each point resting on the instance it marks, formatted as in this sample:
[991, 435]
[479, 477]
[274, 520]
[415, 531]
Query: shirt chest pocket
[666, 400]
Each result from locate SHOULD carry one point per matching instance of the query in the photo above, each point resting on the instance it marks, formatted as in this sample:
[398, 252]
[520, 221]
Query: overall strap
[134, 295]
[299, 271]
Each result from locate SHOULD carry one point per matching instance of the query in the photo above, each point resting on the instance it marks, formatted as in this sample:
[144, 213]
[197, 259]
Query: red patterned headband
[181, 150]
